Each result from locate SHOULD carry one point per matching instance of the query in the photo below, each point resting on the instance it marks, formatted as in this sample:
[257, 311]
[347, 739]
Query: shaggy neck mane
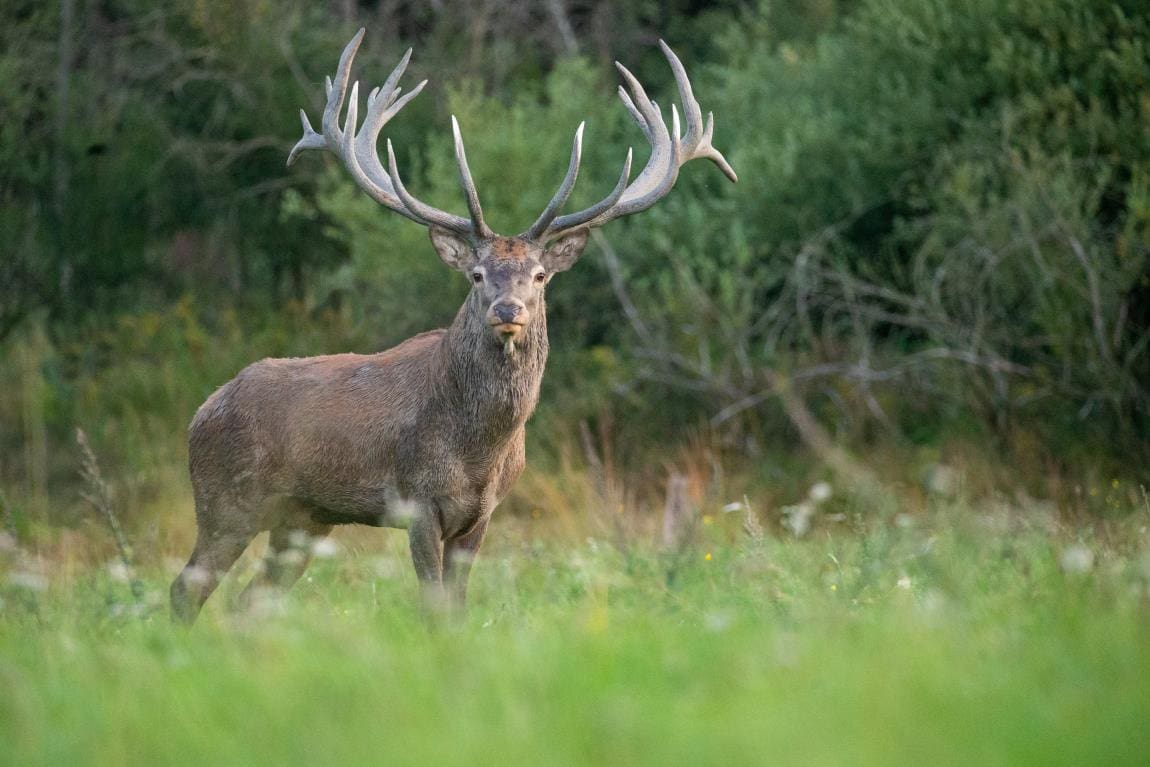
[496, 390]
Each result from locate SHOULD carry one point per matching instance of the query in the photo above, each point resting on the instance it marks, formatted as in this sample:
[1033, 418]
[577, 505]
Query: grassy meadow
[902, 368]
[957, 634]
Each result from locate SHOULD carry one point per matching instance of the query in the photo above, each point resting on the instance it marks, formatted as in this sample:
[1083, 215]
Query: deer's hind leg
[218, 546]
[289, 552]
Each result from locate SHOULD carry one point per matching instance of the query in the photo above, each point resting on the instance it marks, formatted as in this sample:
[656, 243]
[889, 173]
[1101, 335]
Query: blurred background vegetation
[938, 253]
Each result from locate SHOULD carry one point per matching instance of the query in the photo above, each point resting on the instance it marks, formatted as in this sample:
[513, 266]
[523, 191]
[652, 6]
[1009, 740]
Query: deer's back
[290, 424]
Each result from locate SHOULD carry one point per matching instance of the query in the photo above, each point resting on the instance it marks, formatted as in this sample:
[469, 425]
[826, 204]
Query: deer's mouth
[508, 328]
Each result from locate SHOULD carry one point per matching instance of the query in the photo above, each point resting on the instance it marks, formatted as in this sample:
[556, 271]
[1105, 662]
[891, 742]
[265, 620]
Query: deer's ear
[562, 254]
[455, 251]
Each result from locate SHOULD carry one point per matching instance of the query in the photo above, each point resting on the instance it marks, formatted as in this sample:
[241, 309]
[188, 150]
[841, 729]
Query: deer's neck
[494, 390]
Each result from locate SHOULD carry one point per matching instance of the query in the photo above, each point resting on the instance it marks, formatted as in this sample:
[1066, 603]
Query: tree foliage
[943, 212]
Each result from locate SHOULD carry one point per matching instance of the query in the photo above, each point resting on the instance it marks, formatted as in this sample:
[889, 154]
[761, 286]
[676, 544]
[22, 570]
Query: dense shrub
[943, 204]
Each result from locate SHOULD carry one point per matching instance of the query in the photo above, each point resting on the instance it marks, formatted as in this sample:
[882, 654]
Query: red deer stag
[429, 435]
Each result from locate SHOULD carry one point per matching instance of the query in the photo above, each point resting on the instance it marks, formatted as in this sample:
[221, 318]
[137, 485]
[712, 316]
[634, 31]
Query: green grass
[948, 641]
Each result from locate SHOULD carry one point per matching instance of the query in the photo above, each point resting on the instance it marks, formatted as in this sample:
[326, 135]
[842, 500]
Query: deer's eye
[541, 277]
[477, 278]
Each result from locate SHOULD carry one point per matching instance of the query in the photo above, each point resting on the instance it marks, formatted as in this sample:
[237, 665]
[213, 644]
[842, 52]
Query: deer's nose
[506, 312]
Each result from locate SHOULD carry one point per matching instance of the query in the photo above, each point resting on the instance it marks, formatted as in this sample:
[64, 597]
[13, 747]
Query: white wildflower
[196, 576]
[932, 603]
[120, 572]
[797, 518]
[26, 580]
[291, 557]
[942, 480]
[1076, 559]
[324, 548]
[462, 557]
[403, 510]
[385, 567]
[266, 601]
[820, 492]
[718, 621]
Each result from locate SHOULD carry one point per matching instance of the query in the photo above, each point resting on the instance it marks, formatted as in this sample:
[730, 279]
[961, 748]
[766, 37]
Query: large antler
[669, 151]
[359, 152]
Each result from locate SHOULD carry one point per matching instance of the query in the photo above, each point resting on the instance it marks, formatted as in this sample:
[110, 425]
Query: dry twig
[99, 494]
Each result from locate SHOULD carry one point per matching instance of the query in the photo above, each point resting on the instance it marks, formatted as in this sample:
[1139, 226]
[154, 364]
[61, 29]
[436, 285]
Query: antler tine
[366, 141]
[378, 103]
[426, 213]
[343, 141]
[389, 88]
[376, 184]
[662, 168]
[669, 151]
[335, 94]
[637, 100]
[646, 192]
[691, 112]
[338, 87]
[359, 149]
[381, 107]
[310, 140]
[631, 110]
[697, 141]
[469, 191]
[657, 175]
[576, 220]
[564, 191]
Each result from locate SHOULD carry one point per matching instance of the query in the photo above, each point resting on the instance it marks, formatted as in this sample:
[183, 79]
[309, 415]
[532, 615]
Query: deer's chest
[457, 462]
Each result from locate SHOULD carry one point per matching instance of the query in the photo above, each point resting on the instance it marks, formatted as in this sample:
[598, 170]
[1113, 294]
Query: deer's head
[509, 274]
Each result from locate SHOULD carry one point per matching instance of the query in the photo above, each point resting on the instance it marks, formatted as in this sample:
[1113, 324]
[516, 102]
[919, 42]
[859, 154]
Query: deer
[427, 436]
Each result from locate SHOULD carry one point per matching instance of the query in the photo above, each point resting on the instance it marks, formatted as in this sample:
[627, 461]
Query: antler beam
[669, 152]
[359, 151]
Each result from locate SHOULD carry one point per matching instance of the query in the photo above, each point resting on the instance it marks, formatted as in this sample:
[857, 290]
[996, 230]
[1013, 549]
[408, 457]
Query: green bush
[943, 202]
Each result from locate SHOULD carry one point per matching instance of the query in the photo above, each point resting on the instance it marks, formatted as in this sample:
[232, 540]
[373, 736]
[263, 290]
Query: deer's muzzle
[507, 317]
[508, 313]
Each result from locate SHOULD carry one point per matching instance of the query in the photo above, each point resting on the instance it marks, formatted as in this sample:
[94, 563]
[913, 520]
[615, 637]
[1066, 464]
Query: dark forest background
[938, 252]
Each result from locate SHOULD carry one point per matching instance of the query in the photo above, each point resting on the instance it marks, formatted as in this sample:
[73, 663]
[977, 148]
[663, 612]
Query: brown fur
[509, 249]
[428, 435]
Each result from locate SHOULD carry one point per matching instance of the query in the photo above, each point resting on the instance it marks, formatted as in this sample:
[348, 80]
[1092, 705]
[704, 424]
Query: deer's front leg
[426, 539]
[458, 555]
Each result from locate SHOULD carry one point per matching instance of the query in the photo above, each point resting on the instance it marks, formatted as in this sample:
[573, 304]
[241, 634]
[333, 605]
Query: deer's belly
[352, 504]
[459, 489]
